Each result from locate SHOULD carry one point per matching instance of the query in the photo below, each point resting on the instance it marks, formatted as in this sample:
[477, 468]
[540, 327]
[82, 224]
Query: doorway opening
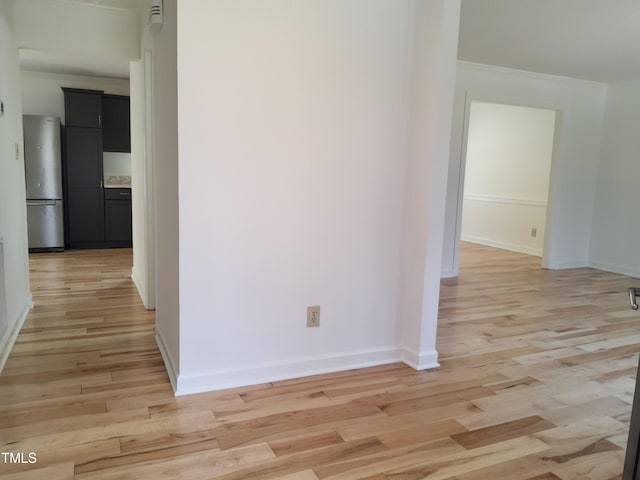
[507, 170]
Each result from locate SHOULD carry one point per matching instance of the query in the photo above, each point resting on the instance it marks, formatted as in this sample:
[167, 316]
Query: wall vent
[156, 15]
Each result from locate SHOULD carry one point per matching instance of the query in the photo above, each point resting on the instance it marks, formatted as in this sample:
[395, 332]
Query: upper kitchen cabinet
[83, 108]
[116, 123]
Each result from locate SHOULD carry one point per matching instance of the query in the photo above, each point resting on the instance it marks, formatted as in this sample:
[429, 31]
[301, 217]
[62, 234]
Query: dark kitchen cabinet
[116, 123]
[85, 198]
[82, 108]
[95, 217]
[117, 211]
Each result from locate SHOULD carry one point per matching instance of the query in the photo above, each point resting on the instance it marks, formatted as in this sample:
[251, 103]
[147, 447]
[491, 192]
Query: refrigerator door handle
[37, 203]
[633, 293]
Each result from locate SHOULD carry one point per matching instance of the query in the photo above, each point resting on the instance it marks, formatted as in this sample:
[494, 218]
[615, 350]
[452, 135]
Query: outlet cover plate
[313, 316]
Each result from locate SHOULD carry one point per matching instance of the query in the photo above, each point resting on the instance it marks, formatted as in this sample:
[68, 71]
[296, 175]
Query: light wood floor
[536, 382]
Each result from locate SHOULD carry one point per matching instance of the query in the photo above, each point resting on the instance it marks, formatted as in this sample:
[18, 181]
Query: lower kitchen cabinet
[84, 199]
[85, 207]
[117, 216]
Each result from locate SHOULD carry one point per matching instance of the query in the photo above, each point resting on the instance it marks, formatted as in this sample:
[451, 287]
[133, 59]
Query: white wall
[616, 225]
[165, 136]
[13, 214]
[42, 92]
[138, 180]
[580, 107]
[433, 71]
[508, 163]
[142, 163]
[292, 124]
[116, 164]
[79, 29]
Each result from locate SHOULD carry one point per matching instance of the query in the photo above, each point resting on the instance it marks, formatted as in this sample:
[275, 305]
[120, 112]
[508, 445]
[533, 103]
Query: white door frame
[550, 222]
[149, 178]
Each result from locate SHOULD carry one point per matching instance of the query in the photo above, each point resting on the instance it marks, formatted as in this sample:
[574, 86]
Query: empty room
[295, 239]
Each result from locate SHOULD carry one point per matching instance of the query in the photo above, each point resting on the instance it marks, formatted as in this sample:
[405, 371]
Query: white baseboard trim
[295, 368]
[504, 245]
[168, 362]
[9, 338]
[449, 273]
[420, 360]
[614, 268]
[141, 291]
[567, 265]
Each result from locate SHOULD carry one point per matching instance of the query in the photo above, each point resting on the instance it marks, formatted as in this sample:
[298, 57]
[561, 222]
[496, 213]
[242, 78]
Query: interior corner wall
[13, 210]
[506, 186]
[42, 92]
[616, 224]
[165, 136]
[572, 188]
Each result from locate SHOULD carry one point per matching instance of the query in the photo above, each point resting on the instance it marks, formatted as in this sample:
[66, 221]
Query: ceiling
[72, 64]
[595, 40]
[117, 4]
[66, 64]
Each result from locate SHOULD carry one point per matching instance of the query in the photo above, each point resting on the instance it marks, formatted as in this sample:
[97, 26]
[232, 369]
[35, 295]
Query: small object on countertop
[117, 181]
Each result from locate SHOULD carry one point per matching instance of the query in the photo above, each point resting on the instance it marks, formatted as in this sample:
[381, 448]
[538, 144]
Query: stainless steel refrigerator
[43, 173]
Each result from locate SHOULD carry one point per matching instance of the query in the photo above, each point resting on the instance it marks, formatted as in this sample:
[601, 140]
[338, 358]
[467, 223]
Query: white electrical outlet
[534, 232]
[313, 316]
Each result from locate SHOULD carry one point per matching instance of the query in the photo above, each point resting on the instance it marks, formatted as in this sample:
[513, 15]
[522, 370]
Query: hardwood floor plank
[303, 475]
[502, 432]
[162, 453]
[420, 433]
[71, 423]
[611, 406]
[545, 476]
[460, 463]
[243, 432]
[62, 471]
[188, 422]
[303, 443]
[385, 461]
[387, 427]
[536, 382]
[309, 460]
[75, 454]
[605, 465]
[191, 466]
[20, 416]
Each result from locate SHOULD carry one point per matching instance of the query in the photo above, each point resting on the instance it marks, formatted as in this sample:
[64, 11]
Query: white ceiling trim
[122, 5]
[483, 67]
[596, 40]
